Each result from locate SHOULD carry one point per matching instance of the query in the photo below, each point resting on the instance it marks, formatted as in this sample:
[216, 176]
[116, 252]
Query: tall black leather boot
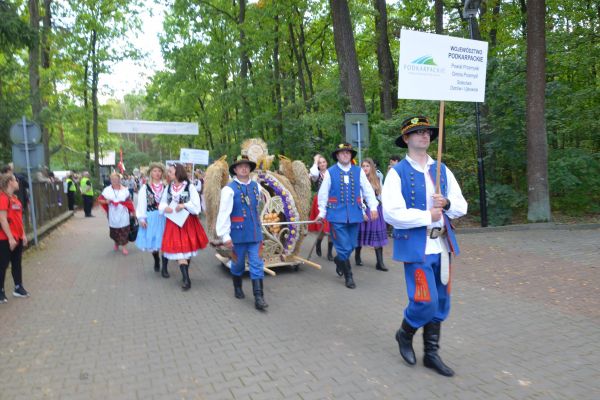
[339, 266]
[185, 273]
[259, 301]
[318, 247]
[329, 250]
[404, 337]
[379, 255]
[156, 261]
[237, 287]
[164, 272]
[348, 275]
[357, 259]
[431, 341]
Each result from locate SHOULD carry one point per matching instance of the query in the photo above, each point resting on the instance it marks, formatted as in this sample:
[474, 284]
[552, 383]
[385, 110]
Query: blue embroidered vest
[245, 220]
[409, 244]
[344, 203]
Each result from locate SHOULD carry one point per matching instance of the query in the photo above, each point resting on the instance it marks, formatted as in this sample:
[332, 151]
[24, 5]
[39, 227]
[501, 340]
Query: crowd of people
[354, 206]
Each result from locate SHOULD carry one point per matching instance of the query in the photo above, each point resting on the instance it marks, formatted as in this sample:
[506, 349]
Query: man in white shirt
[240, 228]
[423, 238]
[341, 203]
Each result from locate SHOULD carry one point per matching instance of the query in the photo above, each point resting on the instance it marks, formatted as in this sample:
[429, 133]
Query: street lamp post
[470, 12]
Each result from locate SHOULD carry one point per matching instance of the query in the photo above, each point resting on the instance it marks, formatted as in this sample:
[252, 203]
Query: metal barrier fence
[50, 202]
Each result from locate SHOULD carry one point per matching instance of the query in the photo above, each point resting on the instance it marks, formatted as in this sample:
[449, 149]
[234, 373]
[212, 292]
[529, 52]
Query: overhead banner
[438, 67]
[194, 156]
[133, 126]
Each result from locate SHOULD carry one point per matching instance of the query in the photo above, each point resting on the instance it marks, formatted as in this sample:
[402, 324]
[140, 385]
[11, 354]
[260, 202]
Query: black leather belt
[437, 232]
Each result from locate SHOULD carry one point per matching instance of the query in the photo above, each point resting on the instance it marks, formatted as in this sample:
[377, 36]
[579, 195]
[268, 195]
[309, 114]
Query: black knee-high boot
[329, 250]
[164, 272]
[156, 261]
[404, 337]
[379, 255]
[237, 287]
[357, 259]
[259, 301]
[339, 266]
[431, 342]
[318, 247]
[348, 275]
[185, 273]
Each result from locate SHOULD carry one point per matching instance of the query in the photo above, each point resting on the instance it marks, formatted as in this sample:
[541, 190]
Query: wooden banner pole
[440, 140]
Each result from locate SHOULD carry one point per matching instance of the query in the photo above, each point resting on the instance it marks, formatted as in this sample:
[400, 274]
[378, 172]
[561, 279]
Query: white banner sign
[152, 127]
[194, 156]
[437, 67]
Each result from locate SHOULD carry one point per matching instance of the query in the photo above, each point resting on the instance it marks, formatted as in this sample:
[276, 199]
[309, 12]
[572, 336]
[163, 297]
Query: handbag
[133, 228]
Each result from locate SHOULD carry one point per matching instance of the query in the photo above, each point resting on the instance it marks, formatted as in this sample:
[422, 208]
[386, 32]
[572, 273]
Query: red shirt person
[12, 235]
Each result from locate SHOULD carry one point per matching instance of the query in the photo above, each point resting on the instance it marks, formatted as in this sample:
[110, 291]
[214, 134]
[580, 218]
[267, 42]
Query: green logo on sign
[424, 60]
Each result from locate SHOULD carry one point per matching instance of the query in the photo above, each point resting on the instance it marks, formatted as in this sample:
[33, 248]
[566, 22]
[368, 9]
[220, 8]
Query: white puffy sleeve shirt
[223, 225]
[118, 215]
[399, 216]
[142, 203]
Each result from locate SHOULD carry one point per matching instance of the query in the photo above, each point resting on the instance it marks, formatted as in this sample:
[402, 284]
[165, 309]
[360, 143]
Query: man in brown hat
[423, 238]
[341, 203]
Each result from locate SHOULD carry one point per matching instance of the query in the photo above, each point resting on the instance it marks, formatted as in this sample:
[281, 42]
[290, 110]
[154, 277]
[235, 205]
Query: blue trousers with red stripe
[428, 298]
[255, 263]
[345, 238]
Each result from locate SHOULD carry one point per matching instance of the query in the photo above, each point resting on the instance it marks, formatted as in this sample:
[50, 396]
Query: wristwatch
[447, 206]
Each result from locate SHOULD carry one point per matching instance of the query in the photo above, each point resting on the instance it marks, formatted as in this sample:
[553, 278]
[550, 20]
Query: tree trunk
[46, 34]
[439, 16]
[45, 49]
[346, 55]
[86, 107]
[277, 94]
[244, 61]
[209, 136]
[524, 17]
[299, 64]
[537, 146]
[385, 63]
[301, 42]
[494, 28]
[95, 72]
[34, 73]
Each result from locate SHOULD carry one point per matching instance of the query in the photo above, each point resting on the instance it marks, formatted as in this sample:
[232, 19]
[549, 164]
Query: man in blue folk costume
[423, 238]
[239, 226]
[340, 201]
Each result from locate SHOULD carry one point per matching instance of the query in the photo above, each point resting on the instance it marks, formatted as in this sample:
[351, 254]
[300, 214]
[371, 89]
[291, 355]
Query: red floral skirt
[183, 242]
[314, 213]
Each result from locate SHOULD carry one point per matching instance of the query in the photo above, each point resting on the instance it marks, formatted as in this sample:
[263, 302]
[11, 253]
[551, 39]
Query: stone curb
[48, 227]
[528, 227]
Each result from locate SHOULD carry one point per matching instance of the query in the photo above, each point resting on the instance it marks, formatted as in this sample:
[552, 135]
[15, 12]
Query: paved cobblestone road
[525, 324]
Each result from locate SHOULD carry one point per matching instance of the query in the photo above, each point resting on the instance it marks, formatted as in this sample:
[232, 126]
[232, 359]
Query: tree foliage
[269, 69]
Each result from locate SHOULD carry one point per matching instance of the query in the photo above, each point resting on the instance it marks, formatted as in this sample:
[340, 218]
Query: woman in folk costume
[317, 172]
[152, 222]
[116, 202]
[372, 233]
[181, 243]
